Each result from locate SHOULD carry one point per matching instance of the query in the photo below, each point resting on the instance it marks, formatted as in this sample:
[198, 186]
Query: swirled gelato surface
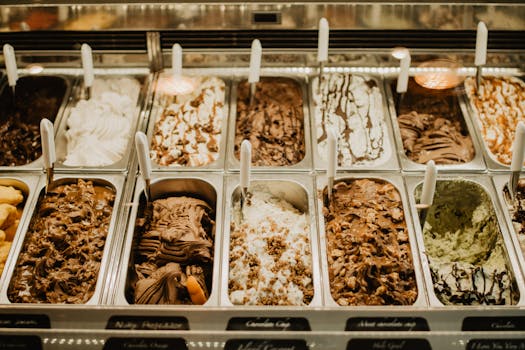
[63, 247]
[432, 126]
[188, 132]
[498, 108]
[352, 105]
[173, 242]
[99, 129]
[368, 249]
[274, 124]
[465, 248]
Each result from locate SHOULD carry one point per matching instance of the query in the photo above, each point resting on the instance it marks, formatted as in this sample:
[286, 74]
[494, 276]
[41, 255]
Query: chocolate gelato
[173, 253]
[432, 126]
[37, 97]
[61, 255]
[274, 124]
[368, 249]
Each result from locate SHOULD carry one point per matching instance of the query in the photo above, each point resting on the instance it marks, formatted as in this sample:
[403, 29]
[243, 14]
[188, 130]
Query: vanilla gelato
[270, 255]
[99, 129]
[351, 105]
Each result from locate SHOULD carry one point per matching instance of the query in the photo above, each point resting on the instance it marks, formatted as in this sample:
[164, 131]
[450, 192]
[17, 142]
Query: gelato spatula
[322, 46]
[402, 79]
[518, 151]
[246, 161]
[176, 60]
[12, 74]
[481, 52]
[47, 135]
[255, 68]
[87, 65]
[332, 161]
[141, 143]
[427, 193]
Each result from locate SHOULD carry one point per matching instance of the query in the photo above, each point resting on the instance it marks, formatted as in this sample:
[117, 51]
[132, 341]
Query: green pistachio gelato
[465, 248]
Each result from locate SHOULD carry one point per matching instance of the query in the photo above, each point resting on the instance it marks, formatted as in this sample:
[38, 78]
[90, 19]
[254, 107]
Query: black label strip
[24, 321]
[145, 344]
[400, 324]
[494, 324]
[20, 342]
[265, 344]
[148, 323]
[268, 324]
[388, 344]
[496, 344]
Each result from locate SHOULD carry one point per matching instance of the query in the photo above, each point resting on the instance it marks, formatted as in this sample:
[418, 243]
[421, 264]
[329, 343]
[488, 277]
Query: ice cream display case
[102, 257]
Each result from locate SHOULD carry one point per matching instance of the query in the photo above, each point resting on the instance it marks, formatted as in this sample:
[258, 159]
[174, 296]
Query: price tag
[388, 344]
[400, 324]
[494, 324]
[268, 324]
[260, 344]
[148, 323]
[20, 342]
[496, 344]
[145, 344]
[24, 321]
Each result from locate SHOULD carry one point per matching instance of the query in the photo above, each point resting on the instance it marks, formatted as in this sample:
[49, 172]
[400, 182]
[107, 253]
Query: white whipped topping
[99, 128]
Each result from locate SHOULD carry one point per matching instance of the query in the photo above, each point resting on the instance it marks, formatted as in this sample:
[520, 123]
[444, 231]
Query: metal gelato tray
[297, 190]
[397, 182]
[501, 184]
[387, 161]
[111, 182]
[492, 162]
[161, 102]
[204, 186]
[68, 81]
[305, 164]
[485, 184]
[139, 115]
[475, 165]
[27, 184]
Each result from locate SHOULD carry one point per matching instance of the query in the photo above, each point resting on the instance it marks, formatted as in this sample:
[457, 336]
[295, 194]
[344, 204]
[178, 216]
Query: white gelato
[353, 107]
[270, 256]
[99, 129]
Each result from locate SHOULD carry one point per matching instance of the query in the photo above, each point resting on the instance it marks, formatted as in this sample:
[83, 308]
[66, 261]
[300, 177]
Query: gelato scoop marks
[465, 248]
[174, 253]
[368, 249]
[63, 248]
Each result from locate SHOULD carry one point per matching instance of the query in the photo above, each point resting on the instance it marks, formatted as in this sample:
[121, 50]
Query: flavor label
[388, 344]
[20, 342]
[264, 344]
[145, 344]
[495, 324]
[496, 344]
[148, 323]
[268, 324]
[24, 321]
[400, 324]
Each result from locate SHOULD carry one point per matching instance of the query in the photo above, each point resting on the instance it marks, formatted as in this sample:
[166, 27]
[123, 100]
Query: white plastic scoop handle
[87, 65]
[141, 143]
[10, 64]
